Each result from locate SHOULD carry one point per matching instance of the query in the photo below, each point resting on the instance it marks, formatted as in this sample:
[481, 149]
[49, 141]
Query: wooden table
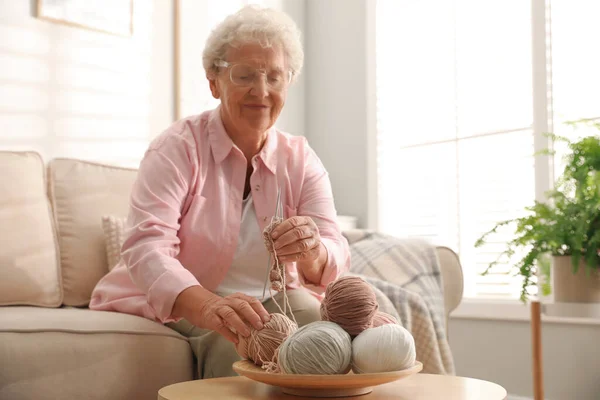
[416, 387]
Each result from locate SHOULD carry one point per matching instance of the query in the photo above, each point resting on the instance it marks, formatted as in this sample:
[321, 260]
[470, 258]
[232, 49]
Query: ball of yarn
[351, 303]
[386, 348]
[321, 348]
[261, 346]
[382, 318]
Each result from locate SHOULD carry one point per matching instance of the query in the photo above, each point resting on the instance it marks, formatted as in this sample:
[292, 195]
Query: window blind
[454, 115]
[575, 63]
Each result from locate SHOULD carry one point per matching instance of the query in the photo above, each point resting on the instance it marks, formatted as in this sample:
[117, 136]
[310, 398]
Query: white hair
[253, 24]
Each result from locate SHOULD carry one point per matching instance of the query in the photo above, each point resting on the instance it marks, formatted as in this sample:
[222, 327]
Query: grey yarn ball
[319, 348]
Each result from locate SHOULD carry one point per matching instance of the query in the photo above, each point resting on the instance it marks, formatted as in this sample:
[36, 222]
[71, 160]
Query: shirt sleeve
[152, 243]
[316, 201]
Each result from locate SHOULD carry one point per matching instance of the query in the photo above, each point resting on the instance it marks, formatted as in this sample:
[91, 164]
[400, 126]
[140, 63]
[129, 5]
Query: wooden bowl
[323, 385]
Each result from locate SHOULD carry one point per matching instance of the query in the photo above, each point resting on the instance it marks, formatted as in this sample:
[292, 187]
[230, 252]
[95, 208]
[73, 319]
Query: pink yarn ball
[382, 318]
[262, 345]
[351, 303]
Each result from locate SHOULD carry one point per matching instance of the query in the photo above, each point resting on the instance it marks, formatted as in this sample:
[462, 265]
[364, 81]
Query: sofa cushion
[29, 271]
[67, 353]
[79, 320]
[81, 193]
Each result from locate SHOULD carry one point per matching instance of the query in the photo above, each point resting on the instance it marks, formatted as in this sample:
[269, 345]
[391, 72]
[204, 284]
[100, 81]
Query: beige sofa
[53, 253]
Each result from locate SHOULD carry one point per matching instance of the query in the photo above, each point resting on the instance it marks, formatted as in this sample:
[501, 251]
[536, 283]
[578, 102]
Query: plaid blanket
[407, 271]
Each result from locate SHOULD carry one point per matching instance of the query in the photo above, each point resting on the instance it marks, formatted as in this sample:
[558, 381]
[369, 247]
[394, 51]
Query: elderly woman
[194, 256]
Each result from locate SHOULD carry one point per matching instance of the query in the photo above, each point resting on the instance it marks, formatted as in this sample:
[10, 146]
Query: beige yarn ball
[386, 348]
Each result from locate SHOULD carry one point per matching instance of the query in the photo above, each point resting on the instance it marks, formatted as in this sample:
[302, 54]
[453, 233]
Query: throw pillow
[114, 236]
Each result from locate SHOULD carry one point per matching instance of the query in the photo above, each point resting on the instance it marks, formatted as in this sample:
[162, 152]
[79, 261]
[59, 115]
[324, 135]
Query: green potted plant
[561, 237]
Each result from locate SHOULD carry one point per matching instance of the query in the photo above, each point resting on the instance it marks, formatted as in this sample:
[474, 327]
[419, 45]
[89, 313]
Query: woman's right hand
[206, 310]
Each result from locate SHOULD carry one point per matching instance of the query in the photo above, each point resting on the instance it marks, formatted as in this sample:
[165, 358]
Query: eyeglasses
[246, 75]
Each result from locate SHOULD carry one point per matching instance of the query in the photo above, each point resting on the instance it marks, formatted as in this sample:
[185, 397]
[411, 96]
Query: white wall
[69, 92]
[337, 89]
[500, 351]
[293, 116]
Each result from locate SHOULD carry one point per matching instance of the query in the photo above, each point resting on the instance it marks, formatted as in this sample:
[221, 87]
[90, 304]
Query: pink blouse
[185, 212]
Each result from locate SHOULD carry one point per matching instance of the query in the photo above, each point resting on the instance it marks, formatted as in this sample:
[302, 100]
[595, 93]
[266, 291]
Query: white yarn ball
[321, 348]
[385, 348]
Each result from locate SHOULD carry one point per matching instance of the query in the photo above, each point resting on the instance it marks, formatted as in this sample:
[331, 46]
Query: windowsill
[510, 310]
[505, 310]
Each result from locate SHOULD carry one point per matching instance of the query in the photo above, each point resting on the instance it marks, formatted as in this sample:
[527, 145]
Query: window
[457, 120]
[575, 65]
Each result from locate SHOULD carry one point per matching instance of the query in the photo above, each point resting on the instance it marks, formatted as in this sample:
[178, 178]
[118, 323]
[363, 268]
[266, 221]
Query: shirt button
[265, 219]
[257, 188]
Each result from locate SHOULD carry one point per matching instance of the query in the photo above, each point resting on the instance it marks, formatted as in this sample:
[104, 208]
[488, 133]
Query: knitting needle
[273, 217]
[279, 216]
[267, 277]
[278, 204]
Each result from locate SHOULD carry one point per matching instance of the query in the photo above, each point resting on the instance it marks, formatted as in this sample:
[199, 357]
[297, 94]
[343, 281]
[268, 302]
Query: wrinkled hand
[296, 239]
[237, 312]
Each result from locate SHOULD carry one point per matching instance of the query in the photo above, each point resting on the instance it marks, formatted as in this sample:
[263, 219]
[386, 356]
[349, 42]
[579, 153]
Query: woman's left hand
[296, 239]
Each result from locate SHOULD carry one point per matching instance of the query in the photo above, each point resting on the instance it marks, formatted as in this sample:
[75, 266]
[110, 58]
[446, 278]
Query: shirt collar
[268, 153]
[221, 144]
